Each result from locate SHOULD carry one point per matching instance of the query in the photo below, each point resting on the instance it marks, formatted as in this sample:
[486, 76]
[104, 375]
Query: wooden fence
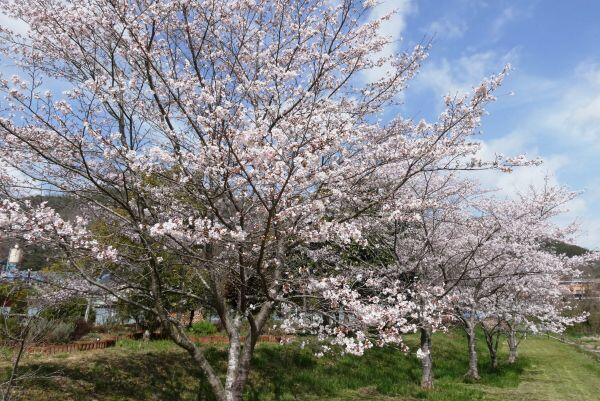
[73, 347]
[111, 342]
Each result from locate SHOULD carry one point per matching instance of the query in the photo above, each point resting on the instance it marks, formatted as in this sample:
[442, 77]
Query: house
[102, 305]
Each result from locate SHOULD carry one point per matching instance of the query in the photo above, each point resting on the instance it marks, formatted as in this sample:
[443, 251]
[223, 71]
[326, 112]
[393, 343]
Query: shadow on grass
[279, 373]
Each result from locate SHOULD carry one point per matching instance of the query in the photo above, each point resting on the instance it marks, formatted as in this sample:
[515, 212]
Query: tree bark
[473, 372]
[88, 310]
[492, 340]
[512, 346]
[493, 352]
[426, 360]
[191, 321]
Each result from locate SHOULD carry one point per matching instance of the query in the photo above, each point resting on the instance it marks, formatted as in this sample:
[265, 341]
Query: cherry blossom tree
[517, 278]
[218, 146]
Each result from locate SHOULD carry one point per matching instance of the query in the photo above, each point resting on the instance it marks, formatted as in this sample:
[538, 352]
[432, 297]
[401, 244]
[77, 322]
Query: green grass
[558, 372]
[158, 370]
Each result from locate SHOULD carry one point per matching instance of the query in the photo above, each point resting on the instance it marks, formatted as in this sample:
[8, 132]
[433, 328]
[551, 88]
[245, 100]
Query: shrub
[9, 326]
[70, 310]
[203, 328]
[62, 332]
[81, 329]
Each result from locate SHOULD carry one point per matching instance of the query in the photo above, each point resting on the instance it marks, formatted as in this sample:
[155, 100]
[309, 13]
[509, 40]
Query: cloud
[446, 29]
[392, 28]
[507, 15]
[555, 119]
[562, 125]
[458, 76]
[510, 184]
[576, 115]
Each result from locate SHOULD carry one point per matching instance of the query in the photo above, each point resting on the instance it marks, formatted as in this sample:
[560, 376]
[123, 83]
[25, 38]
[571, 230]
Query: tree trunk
[7, 396]
[473, 372]
[191, 321]
[426, 359]
[492, 340]
[493, 354]
[88, 310]
[512, 346]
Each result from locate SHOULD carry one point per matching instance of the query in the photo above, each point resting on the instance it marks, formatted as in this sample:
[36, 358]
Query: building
[581, 288]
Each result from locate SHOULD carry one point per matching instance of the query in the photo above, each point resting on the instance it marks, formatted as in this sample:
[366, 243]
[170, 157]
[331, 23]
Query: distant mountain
[567, 249]
[591, 270]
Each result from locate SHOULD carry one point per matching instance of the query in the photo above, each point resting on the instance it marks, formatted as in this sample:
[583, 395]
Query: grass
[158, 370]
[558, 372]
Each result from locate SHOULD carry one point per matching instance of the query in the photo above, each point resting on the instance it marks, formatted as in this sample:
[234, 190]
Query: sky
[548, 107]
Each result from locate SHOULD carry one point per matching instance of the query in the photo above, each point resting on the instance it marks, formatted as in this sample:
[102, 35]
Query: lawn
[547, 370]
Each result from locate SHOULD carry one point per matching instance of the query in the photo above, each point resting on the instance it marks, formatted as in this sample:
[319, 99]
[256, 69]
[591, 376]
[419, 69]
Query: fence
[111, 342]
[72, 347]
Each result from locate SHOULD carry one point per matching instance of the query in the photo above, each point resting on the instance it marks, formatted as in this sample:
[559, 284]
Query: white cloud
[508, 15]
[510, 184]
[522, 178]
[392, 28]
[562, 125]
[558, 120]
[446, 29]
[576, 115]
[460, 75]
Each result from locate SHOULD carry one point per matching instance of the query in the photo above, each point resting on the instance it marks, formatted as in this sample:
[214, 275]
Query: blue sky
[548, 107]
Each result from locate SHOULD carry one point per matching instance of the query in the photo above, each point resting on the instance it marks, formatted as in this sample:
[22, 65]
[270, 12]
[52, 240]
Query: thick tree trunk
[473, 372]
[426, 359]
[512, 346]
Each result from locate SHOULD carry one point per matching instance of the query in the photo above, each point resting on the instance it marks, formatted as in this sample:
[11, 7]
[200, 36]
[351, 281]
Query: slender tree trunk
[512, 346]
[7, 396]
[493, 349]
[473, 372]
[88, 310]
[492, 340]
[426, 359]
[191, 321]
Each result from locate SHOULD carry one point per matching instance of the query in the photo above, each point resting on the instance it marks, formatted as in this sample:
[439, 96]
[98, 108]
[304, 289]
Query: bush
[203, 328]
[61, 333]
[9, 325]
[70, 310]
[81, 329]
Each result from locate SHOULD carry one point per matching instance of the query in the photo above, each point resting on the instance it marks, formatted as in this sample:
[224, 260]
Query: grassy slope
[557, 372]
[547, 370]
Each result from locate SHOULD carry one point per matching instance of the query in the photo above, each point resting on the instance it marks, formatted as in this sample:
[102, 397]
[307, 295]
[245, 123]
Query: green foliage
[591, 325]
[68, 311]
[15, 297]
[9, 325]
[203, 328]
[144, 319]
[566, 249]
